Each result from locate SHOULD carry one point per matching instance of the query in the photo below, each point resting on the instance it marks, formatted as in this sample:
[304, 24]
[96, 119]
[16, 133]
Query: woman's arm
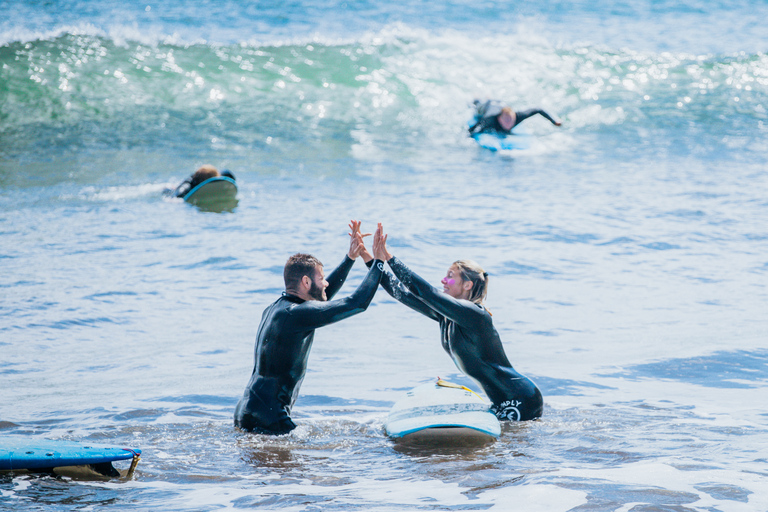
[401, 294]
[463, 312]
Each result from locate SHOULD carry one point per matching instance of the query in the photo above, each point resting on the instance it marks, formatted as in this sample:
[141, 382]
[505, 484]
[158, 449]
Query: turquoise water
[627, 249]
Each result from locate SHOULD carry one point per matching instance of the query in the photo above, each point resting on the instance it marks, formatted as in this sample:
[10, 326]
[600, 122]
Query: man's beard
[316, 292]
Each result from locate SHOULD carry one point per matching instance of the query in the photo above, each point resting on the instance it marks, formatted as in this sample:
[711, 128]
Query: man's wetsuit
[282, 348]
[468, 335]
[491, 123]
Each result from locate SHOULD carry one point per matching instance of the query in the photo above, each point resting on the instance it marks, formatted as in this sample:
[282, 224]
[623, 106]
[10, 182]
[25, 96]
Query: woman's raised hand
[380, 251]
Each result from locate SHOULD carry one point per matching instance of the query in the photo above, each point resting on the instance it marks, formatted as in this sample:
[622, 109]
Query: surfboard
[500, 142]
[518, 140]
[23, 453]
[441, 410]
[213, 190]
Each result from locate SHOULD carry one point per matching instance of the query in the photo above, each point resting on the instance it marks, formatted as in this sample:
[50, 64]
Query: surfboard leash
[134, 463]
[446, 384]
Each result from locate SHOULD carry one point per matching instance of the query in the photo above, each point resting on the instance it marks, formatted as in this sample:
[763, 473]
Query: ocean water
[628, 249]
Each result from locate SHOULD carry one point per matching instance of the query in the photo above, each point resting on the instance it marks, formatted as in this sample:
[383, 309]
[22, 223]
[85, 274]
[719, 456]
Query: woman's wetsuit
[491, 123]
[283, 342]
[468, 335]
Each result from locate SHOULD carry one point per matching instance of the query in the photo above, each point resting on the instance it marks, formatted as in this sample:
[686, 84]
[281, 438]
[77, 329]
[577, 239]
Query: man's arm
[525, 114]
[181, 190]
[338, 276]
[313, 314]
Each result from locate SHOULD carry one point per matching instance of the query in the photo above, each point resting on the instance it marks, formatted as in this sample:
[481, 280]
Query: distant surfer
[494, 116]
[204, 173]
[466, 331]
[287, 330]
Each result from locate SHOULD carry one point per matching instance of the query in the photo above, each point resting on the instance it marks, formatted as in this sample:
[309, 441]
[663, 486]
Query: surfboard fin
[105, 469]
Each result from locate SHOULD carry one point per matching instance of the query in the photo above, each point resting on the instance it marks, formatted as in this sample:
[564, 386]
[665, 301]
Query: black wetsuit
[282, 348]
[190, 183]
[491, 123]
[468, 335]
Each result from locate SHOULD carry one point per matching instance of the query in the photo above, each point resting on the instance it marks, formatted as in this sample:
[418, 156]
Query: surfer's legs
[254, 415]
[252, 423]
[280, 428]
[534, 406]
[527, 405]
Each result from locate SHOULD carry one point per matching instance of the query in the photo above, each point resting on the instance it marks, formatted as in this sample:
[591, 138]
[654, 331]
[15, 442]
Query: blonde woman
[466, 331]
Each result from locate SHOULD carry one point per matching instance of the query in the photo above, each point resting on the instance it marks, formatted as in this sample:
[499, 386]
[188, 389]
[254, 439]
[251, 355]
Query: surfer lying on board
[466, 331]
[205, 172]
[494, 116]
[288, 327]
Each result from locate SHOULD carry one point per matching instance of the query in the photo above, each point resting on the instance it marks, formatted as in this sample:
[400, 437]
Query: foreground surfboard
[219, 189]
[442, 411]
[43, 455]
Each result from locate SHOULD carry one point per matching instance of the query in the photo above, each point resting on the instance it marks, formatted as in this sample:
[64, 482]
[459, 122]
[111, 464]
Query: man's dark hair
[298, 266]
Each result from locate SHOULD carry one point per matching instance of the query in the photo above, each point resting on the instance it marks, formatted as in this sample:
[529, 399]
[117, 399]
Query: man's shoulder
[280, 304]
[287, 304]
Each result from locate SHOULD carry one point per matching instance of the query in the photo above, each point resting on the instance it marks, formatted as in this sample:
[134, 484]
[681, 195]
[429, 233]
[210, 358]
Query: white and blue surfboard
[213, 190]
[442, 410]
[38, 455]
[515, 141]
[518, 140]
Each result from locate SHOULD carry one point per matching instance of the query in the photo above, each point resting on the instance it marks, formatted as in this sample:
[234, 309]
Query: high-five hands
[356, 245]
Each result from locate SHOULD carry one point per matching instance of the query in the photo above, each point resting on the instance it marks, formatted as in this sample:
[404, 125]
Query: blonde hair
[471, 271]
[203, 173]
